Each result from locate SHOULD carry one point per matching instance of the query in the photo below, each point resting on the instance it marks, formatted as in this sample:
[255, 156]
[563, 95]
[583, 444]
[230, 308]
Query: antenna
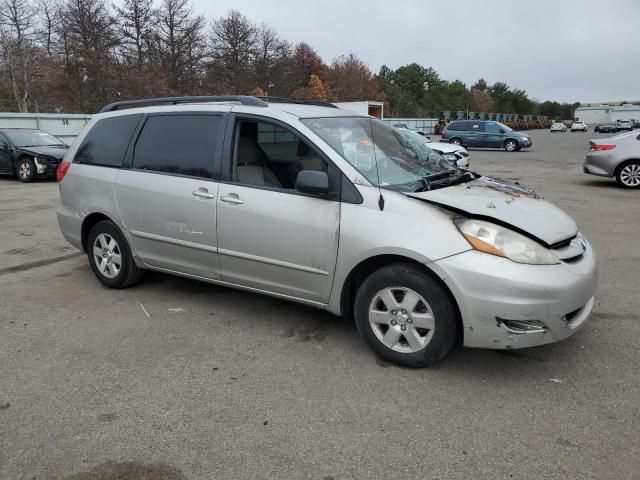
[375, 159]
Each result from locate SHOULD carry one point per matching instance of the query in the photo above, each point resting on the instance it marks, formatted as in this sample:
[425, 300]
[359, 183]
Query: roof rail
[317, 103]
[146, 102]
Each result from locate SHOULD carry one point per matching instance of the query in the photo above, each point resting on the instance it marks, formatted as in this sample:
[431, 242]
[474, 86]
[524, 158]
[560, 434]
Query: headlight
[450, 156]
[499, 241]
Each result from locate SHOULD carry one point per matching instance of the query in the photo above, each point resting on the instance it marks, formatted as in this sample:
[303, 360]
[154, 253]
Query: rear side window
[455, 126]
[107, 141]
[178, 144]
[475, 126]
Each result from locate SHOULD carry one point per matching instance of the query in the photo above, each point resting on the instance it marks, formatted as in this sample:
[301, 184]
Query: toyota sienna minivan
[328, 208]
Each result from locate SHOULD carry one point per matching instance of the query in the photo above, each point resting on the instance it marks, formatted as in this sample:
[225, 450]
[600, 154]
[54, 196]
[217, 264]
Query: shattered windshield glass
[381, 152]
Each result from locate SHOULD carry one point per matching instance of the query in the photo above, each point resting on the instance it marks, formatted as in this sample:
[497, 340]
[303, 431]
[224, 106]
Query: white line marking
[145, 311]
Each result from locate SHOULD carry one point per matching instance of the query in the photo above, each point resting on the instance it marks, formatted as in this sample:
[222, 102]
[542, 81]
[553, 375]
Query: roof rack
[242, 99]
[317, 103]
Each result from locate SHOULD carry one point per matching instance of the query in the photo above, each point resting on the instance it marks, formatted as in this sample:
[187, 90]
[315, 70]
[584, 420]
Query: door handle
[203, 193]
[232, 198]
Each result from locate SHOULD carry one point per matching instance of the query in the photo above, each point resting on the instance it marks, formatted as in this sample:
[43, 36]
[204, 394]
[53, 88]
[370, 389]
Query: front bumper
[46, 166]
[599, 163]
[525, 143]
[496, 295]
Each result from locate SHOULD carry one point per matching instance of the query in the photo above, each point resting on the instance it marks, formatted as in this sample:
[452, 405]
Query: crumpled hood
[55, 152]
[509, 203]
[445, 147]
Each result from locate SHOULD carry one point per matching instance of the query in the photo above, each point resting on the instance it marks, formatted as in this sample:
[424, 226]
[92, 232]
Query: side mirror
[313, 182]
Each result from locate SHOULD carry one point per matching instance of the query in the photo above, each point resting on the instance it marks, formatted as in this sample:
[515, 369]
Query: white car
[456, 154]
[579, 125]
[624, 125]
[558, 127]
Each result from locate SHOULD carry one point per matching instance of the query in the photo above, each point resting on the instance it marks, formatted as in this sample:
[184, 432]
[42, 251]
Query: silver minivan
[321, 206]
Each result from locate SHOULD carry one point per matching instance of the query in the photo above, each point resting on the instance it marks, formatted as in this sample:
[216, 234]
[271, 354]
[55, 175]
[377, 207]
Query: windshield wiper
[444, 179]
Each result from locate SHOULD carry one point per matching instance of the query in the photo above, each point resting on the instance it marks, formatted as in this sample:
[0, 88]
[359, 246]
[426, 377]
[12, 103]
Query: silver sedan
[617, 157]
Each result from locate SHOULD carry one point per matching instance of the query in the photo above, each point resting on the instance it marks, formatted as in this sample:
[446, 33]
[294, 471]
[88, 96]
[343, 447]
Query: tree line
[78, 55]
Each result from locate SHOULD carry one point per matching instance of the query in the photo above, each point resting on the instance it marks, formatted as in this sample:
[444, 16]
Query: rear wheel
[110, 256]
[628, 175]
[26, 170]
[456, 141]
[511, 145]
[406, 316]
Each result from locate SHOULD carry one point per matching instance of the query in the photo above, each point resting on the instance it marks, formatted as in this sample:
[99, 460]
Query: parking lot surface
[175, 379]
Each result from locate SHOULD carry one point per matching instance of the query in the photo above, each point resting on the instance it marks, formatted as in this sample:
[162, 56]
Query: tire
[431, 324]
[100, 246]
[26, 170]
[456, 141]
[628, 174]
[511, 145]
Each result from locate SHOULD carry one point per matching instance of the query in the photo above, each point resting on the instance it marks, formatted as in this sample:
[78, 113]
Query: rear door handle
[203, 193]
[232, 198]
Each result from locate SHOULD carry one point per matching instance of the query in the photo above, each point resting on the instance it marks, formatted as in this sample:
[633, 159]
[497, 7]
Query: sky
[563, 50]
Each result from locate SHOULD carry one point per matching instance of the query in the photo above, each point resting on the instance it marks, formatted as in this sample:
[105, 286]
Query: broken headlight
[499, 241]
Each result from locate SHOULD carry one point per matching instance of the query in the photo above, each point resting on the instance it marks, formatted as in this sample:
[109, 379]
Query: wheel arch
[19, 157]
[88, 223]
[624, 163]
[366, 267]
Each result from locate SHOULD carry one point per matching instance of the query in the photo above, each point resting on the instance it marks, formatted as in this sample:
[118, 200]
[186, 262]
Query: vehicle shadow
[307, 324]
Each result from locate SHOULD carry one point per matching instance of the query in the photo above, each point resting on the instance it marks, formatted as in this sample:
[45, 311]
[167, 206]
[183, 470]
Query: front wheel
[406, 316]
[26, 170]
[110, 256]
[511, 145]
[628, 176]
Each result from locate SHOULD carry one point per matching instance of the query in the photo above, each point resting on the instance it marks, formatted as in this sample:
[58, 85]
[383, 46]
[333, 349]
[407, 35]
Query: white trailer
[65, 126]
[375, 109]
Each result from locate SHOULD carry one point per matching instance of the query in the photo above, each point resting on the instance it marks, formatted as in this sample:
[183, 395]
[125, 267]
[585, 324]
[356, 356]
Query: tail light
[444, 133]
[598, 148]
[61, 171]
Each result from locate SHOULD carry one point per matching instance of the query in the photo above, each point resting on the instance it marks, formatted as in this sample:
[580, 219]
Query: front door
[270, 236]
[5, 155]
[493, 135]
[167, 199]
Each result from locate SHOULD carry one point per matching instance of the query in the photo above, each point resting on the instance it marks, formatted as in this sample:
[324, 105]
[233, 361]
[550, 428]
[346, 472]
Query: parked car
[328, 208]
[455, 154]
[29, 153]
[617, 157]
[407, 127]
[624, 125]
[482, 133]
[558, 127]
[606, 128]
[579, 126]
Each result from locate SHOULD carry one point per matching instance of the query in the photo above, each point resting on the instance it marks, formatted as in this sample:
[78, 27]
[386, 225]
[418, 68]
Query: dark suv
[28, 153]
[484, 133]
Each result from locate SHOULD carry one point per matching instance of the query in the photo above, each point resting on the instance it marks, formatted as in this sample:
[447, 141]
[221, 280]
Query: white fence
[422, 124]
[65, 126]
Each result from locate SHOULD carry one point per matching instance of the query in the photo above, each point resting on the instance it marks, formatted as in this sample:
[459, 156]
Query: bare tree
[49, 19]
[137, 20]
[271, 62]
[17, 48]
[182, 45]
[233, 41]
[87, 30]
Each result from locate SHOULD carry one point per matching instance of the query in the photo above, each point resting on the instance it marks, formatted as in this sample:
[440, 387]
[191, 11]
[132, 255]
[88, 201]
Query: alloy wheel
[24, 170]
[401, 319]
[630, 175]
[107, 255]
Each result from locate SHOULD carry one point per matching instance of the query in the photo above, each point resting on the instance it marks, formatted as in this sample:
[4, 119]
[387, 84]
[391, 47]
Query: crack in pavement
[37, 263]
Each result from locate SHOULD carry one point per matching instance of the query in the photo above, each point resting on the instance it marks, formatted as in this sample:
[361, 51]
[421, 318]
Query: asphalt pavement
[174, 379]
